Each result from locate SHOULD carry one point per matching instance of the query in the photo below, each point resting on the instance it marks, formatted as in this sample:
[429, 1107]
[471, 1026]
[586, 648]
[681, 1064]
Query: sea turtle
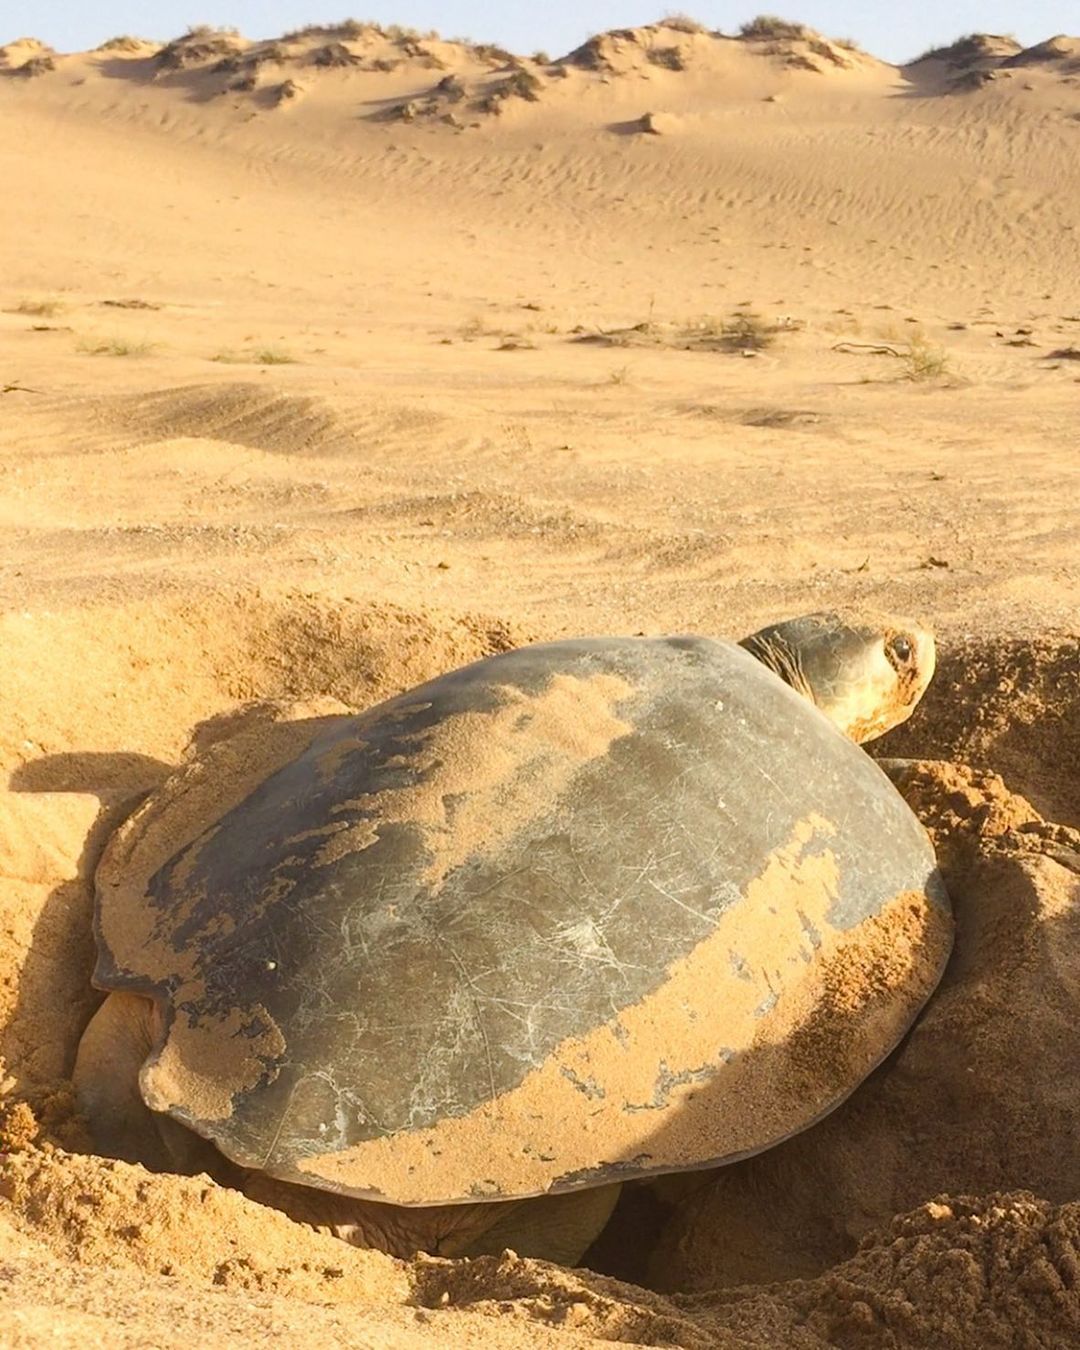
[442, 975]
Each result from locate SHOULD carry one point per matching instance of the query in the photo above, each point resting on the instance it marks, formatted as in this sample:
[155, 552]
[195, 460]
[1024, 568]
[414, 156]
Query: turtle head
[866, 675]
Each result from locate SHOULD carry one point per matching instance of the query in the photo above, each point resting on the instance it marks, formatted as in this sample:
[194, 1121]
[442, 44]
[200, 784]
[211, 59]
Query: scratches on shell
[724, 1063]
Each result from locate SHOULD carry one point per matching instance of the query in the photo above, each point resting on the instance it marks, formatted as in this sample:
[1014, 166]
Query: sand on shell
[306, 415]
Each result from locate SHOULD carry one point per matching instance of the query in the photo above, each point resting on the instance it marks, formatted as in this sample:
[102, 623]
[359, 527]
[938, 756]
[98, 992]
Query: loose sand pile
[305, 415]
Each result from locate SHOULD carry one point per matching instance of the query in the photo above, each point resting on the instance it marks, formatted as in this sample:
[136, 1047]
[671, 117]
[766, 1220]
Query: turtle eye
[901, 648]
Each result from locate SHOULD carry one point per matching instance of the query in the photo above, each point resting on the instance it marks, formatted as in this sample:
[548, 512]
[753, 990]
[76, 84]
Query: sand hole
[89, 738]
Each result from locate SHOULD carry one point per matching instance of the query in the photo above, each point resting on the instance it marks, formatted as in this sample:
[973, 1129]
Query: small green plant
[40, 309]
[115, 347]
[922, 361]
[541, 58]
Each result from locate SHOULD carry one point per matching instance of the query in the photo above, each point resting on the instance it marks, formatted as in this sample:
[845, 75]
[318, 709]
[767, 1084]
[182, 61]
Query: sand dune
[332, 361]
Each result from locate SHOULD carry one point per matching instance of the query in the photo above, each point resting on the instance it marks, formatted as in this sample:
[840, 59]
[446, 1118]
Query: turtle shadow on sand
[54, 998]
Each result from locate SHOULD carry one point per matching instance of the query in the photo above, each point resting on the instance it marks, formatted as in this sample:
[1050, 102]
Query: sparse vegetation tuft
[971, 47]
[743, 331]
[938, 53]
[829, 50]
[115, 347]
[37, 65]
[124, 42]
[769, 26]
[492, 53]
[922, 360]
[40, 309]
[522, 84]
[682, 23]
[746, 331]
[261, 356]
[474, 328]
[671, 58]
[198, 46]
[348, 29]
[335, 55]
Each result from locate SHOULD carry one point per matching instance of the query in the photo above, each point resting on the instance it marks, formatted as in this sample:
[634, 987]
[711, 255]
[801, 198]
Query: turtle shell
[578, 912]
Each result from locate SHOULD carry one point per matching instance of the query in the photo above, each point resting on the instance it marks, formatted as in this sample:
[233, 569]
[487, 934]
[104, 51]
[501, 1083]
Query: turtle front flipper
[114, 1047]
[557, 1228]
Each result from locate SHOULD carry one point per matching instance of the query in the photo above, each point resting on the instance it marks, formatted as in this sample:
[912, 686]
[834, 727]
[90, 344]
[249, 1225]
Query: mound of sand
[1053, 50]
[199, 47]
[975, 50]
[983, 58]
[16, 53]
[382, 68]
[679, 45]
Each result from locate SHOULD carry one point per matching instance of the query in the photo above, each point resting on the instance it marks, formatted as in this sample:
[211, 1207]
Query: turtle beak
[895, 678]
[927, 658]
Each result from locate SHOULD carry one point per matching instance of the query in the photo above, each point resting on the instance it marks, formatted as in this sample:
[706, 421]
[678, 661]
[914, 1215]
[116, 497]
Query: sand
[331, 363]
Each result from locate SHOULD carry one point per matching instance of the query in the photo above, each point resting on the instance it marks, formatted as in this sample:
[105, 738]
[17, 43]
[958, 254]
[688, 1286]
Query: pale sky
[897, 32]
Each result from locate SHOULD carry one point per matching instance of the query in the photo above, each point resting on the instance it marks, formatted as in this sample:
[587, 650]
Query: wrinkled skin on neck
[866, 675]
